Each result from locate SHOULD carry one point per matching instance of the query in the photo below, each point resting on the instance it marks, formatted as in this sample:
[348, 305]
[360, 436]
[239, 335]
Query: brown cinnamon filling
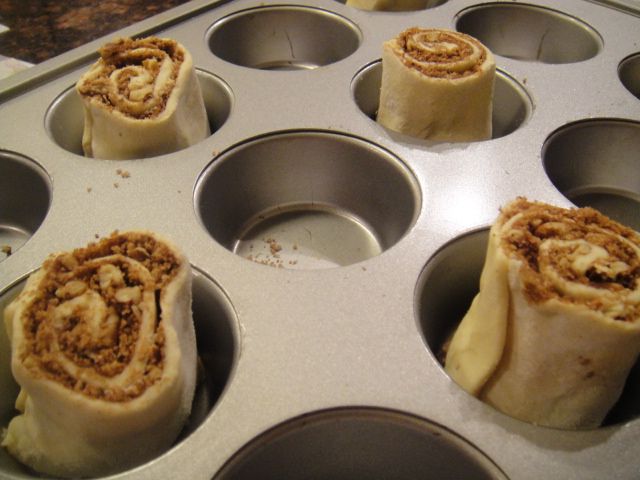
[417, 58]
[542, 222]
[107, 348]
[126, 52]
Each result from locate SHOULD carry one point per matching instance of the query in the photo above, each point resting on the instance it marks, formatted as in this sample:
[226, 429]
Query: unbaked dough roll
[141, 98]
[389, 5]
[437, 85]
[103, 348]
[555, 328]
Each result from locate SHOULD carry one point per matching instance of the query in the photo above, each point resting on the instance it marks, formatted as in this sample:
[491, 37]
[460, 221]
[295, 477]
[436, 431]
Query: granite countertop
[42, 29]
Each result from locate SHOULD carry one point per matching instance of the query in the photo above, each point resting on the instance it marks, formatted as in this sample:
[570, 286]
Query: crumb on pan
[274, 246]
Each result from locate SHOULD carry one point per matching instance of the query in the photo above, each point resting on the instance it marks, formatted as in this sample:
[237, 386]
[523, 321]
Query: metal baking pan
[333, 256]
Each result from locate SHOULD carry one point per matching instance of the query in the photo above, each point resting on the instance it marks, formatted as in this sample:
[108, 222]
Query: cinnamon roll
[555, 328]
[103, 348]
[389, 5]
[437, 85]
[141, 98]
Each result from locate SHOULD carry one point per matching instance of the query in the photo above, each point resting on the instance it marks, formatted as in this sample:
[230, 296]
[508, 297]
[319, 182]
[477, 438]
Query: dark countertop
[42, 29]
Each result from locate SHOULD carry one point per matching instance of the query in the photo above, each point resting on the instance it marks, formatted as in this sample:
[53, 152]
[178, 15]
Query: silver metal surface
[359, 443]
[574, 157]
[276, 200]
[629, 72]
[377, 238]
[283, 38]
[528, 32]
[25, 194]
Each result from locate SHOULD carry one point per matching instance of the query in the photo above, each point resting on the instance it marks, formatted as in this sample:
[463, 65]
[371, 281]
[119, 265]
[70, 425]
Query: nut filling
[576, 256]
[98, 315]
[440, 54]
[135, 77]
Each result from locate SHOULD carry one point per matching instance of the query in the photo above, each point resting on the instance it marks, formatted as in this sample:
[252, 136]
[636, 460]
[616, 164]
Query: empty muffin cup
[307, 199]
[594, 163]
[25, 195]
[283, 37]
[447, 286]
[217, 335]
[512, 105]
[530, 32]
[363, 443]
[64, 120]
[393, 5]
[629, 73]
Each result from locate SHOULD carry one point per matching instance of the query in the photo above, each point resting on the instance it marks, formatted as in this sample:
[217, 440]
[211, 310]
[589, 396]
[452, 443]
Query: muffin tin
[332, 257]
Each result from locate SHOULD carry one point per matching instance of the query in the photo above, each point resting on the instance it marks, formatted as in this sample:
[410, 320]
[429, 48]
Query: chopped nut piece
[110, 275]
[68, 261]
[71, 289]
[128, 294]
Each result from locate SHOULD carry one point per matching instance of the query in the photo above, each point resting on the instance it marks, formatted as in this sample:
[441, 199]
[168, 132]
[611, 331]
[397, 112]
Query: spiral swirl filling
[95, 325]
[578, 256]
[440, 54]
[135, 77]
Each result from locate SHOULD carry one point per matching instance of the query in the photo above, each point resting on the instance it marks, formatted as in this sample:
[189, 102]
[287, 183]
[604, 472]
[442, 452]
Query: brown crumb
[269, 254]
[6, 249]
[116, 184]
[123, 173]
[271, 263]
[583, 360]
[89, 189]
[274, 246]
